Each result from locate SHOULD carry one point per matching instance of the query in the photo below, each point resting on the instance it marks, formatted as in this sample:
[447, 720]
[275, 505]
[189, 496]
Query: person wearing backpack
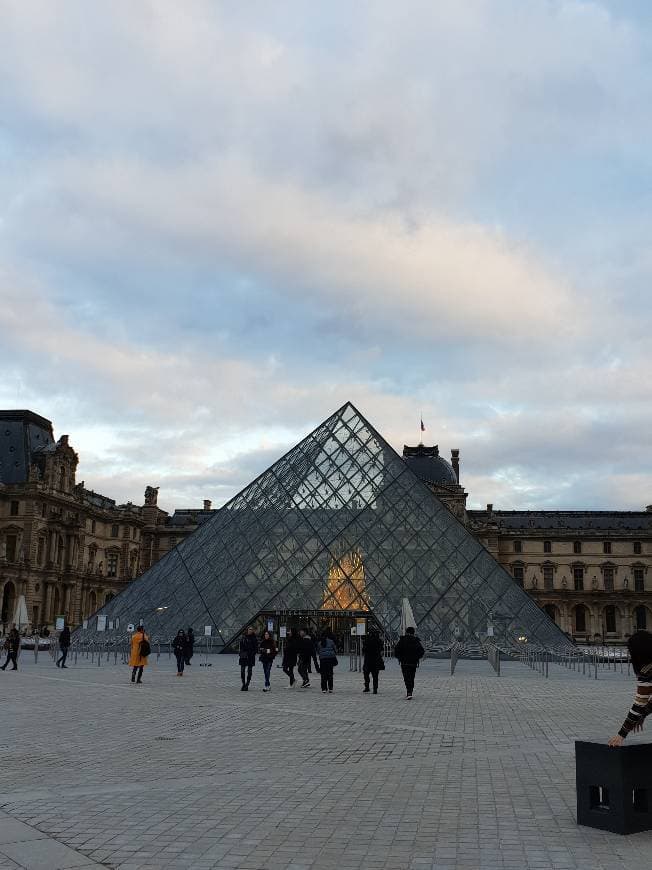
[140, 650]
[409, 651]
[327, 661]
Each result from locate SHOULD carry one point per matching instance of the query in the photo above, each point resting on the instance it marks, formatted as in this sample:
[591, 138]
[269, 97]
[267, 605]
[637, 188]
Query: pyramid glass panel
[339, 526]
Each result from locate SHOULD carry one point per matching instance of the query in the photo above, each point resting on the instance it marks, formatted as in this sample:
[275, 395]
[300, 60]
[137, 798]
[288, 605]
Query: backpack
[144, 649]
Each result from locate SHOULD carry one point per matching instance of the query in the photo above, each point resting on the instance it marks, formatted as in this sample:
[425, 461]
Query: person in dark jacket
[267, 656]
[180, 648]
[306, 654]
[248, 650]
[12, 645]
[64, 646]
[327, 661]
[190, 646]
[639, 646]
[409, 651]
[290, 649]
[373, 660]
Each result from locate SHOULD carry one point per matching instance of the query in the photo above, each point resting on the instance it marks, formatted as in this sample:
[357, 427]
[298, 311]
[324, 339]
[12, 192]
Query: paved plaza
[475, 772]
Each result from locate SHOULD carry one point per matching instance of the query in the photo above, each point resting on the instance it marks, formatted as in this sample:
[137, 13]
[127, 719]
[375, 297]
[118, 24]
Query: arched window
[518, 572]
[640, 617]
[580, 619]
[92, 602]
[610, 619]
[548, 577]
[60, 549]
[108, 597]
[551, 610]
[8, 602]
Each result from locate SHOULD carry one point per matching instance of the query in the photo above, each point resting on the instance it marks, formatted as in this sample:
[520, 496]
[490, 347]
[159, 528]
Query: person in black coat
[306, 654]
[409, 652]
[64, 646]
[12, 645]
[180, 648]
[290, 650]
[373, 660]
[190, 646]
[248, 650]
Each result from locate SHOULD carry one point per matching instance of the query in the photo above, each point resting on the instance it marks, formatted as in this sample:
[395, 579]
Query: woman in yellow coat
[139, 653]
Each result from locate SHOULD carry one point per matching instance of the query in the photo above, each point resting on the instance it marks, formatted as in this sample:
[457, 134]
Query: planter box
[614, 786]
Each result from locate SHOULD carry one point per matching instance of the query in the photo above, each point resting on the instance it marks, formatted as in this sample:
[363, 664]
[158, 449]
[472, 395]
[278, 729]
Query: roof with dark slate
[22, 433]
[584, 521]
[428, 465]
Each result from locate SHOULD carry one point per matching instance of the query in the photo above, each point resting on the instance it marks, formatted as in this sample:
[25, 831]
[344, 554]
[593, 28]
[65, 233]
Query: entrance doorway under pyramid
[339, 524]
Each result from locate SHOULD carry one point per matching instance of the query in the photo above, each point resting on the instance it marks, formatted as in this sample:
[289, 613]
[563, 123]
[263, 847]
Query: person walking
[180, 647]
[290, 648]
[267, 656]
[12, 645]
[409, 651]
[140, 650]
[64, 646]
[306, 653]
[640, 654]
[373, 660]
[327, 661]
[247, 659]
[190, 645]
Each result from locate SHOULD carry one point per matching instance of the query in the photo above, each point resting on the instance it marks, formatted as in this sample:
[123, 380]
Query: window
[639, 580]
[518, 546]
[517, 571]
[578, 579]
[577, 546]
[638, 548]
[580, 619]
[93, 525]
[608, 575]
[108, 597]
[606, 547]
[12, 546]
[547, 546]
[35, 614]
[548, 581]
[115, 530]
[112, 565]
[551, 610]
[41, 552]
[610, 620]
[13, 508]
[640, 616]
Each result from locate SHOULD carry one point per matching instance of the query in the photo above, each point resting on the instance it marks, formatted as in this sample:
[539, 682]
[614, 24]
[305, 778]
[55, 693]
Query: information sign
[59, 624]
[270, 625]
[110, 625]
[208, 630]
[130, 628]
[283, 631]
[361, 626]
[85, 624]
[101, 623]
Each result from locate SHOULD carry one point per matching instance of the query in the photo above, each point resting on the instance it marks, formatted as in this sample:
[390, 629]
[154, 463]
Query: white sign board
[101, 623]
[59, 624]
[283, 631]
[361, 626]
[110, 625]
[85, 624]
[490, 631]
[208, 630]
[270, 625]
[130, 628]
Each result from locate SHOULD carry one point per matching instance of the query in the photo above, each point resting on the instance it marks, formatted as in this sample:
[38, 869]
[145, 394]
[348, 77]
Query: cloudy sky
[220, 221]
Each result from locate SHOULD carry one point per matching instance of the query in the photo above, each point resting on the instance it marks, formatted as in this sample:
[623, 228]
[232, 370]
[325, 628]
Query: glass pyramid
[339, 523]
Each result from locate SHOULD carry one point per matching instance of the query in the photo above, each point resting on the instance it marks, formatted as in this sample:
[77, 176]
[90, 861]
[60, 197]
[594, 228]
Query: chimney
[455, 462]
[207, 504]
[490, 509]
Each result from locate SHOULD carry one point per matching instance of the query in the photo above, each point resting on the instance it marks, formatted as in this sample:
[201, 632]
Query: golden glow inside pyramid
[346, 589]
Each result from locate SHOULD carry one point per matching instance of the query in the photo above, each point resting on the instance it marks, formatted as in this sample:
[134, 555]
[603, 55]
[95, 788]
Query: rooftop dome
[428, 465]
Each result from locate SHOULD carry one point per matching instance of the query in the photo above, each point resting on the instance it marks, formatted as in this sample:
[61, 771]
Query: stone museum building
[70, 550]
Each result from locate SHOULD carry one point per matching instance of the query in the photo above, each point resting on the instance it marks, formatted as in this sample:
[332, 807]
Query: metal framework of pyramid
[338, 523]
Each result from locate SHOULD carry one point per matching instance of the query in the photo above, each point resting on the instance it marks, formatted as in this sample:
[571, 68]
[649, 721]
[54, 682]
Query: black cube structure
[614, 787]
[340, 524]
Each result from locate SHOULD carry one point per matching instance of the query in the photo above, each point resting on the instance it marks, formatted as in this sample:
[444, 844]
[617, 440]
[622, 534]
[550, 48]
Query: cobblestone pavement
[476, 773]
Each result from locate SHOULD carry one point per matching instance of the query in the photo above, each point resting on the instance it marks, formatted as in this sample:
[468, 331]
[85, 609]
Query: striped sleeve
[641, 708]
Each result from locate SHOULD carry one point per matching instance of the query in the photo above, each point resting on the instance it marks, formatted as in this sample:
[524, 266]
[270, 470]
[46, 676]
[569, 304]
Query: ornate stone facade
[66, 548]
